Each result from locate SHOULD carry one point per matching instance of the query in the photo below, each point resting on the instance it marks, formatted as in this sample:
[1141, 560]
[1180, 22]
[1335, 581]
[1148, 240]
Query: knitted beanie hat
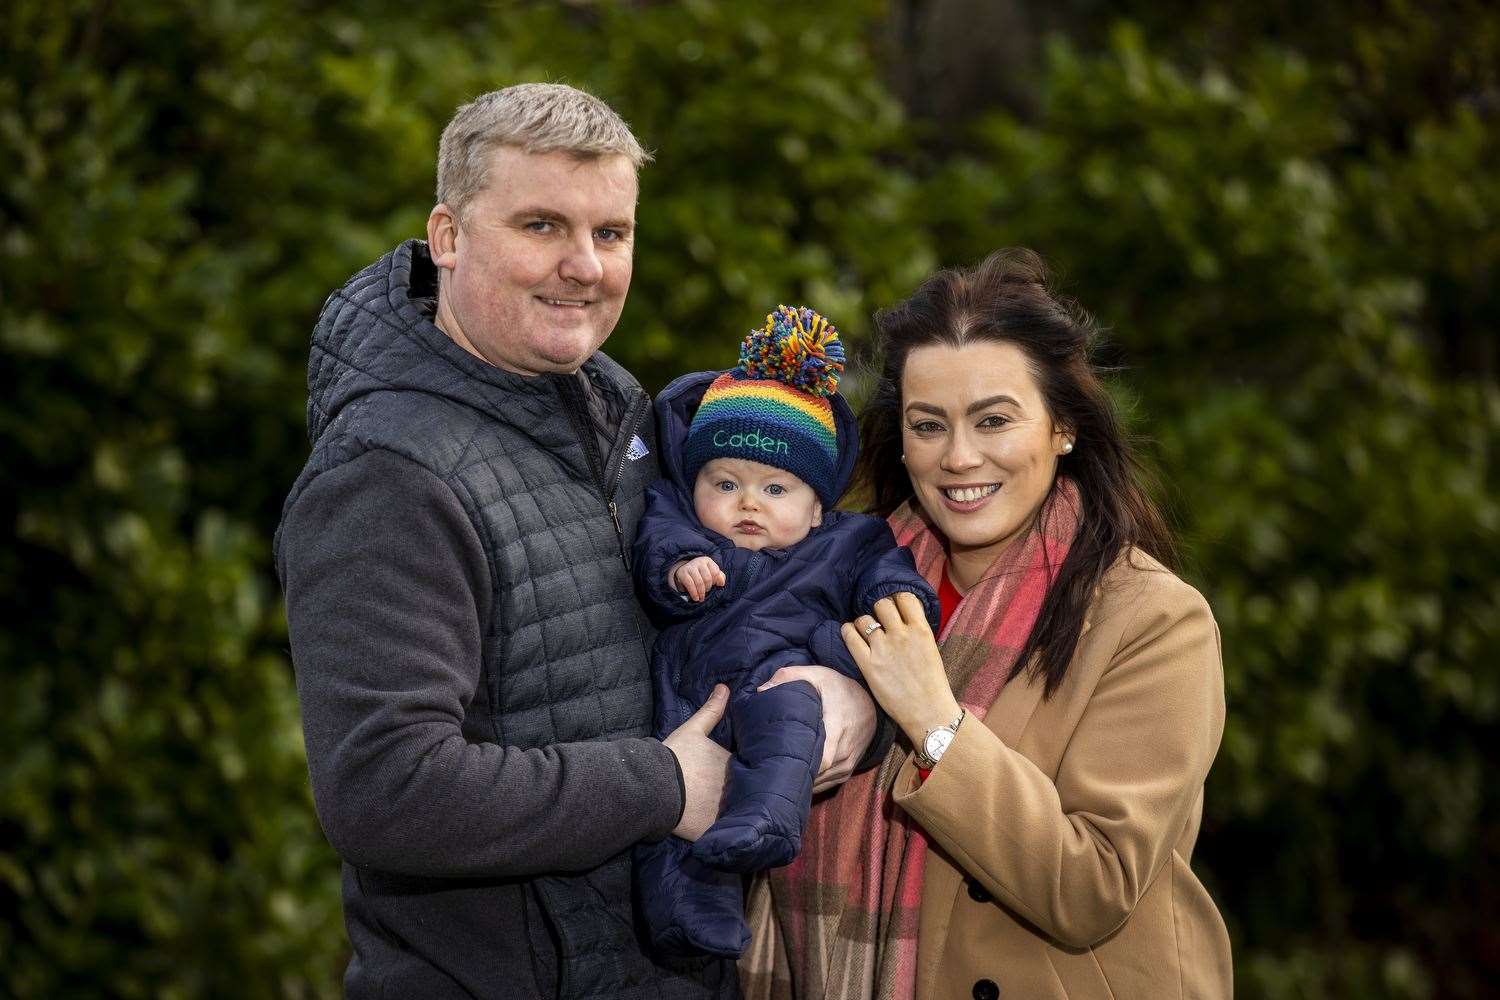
[773, 407]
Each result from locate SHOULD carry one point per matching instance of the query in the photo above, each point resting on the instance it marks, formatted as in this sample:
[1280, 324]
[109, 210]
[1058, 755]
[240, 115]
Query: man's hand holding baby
[696, 577]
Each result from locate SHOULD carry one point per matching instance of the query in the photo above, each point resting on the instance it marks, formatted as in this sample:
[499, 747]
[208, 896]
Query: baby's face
[755, 506]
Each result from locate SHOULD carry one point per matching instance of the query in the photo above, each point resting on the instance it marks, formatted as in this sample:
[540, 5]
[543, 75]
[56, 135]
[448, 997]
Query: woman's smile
[968, 498]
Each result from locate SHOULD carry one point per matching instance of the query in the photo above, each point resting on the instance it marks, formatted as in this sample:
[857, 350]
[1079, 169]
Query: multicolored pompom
[796, 346]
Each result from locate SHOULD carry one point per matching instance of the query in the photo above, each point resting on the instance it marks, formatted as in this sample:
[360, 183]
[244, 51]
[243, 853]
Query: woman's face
[980, 446]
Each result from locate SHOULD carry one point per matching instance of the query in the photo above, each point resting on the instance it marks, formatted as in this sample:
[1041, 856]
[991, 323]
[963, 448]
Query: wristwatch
[935, 743]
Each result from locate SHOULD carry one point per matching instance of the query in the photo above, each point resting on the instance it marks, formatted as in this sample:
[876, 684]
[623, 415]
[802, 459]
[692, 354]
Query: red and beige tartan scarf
[840, 922]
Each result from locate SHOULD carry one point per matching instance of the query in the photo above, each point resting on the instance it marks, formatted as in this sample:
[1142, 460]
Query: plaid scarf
[840, 922]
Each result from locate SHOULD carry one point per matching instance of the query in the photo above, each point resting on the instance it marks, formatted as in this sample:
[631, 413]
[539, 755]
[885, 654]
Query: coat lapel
[1017, 701]
[1013, 708]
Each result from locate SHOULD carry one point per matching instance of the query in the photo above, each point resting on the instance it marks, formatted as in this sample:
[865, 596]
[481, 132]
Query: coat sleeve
[387, 589]
[1073, 856]
[666, 535]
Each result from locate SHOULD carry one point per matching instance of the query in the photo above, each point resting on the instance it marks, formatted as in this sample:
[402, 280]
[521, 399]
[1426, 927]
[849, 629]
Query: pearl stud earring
[1067, 447]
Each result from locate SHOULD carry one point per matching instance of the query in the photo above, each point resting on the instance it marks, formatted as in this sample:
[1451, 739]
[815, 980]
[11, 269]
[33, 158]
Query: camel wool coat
[1063, 828]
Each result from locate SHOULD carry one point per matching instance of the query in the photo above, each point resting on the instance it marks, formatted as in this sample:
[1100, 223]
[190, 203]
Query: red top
[948, 598]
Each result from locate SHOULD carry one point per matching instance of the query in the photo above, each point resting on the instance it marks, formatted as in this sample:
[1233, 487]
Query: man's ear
[442, 236]
[817, 519]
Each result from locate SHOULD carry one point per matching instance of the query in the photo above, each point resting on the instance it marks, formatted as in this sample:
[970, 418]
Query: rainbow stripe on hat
[775, 404]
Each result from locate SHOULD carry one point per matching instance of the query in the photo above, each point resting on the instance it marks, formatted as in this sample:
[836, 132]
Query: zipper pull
[614, 515]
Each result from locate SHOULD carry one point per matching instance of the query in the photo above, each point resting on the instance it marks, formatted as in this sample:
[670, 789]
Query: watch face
[937, 741]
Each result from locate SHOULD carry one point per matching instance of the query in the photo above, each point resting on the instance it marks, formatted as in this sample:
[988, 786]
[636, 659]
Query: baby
[742, 559]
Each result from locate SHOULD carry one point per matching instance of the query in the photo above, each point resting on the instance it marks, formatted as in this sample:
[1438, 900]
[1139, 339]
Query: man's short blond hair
[535, 118]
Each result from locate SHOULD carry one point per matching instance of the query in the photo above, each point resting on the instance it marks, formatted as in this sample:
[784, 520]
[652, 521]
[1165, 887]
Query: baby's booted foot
[744, 847]
[778, 736]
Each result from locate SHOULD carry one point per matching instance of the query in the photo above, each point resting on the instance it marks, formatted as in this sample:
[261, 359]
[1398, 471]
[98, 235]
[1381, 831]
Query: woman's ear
[1062, 439]
[442, 236]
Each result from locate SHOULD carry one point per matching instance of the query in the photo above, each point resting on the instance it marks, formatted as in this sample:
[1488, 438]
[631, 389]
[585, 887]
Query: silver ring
[874, 627]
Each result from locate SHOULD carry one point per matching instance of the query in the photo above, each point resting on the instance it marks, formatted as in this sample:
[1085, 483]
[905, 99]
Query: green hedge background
[1287, 213]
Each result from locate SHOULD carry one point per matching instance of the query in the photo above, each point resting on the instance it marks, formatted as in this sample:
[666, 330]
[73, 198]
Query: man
[471, 662]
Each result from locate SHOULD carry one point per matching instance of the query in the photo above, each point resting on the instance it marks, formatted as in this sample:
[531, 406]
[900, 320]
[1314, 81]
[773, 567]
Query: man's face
[535, 273]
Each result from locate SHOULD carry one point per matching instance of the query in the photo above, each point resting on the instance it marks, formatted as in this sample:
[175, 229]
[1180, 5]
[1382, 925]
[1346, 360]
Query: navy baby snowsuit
[780, 607]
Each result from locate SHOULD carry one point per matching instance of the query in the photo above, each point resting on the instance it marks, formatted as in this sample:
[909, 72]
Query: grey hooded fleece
[470, 659]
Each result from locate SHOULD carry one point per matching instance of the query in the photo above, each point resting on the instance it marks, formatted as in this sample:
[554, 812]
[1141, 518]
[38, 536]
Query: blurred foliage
[1287, 240]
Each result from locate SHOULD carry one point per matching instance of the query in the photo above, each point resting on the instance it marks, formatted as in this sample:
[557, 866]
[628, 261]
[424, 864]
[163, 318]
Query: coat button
[977, 892]
[986, 989]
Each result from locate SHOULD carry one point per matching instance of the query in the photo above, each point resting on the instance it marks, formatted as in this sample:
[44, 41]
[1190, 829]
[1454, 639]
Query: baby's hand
[697, 577]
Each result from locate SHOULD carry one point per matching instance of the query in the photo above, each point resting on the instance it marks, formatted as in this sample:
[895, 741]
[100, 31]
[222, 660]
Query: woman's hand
[902, 665]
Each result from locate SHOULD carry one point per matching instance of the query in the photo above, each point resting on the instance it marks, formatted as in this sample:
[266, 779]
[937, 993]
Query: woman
[1036, 843]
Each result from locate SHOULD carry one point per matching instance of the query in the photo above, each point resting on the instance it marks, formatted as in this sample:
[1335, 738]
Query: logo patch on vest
[638, 449]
